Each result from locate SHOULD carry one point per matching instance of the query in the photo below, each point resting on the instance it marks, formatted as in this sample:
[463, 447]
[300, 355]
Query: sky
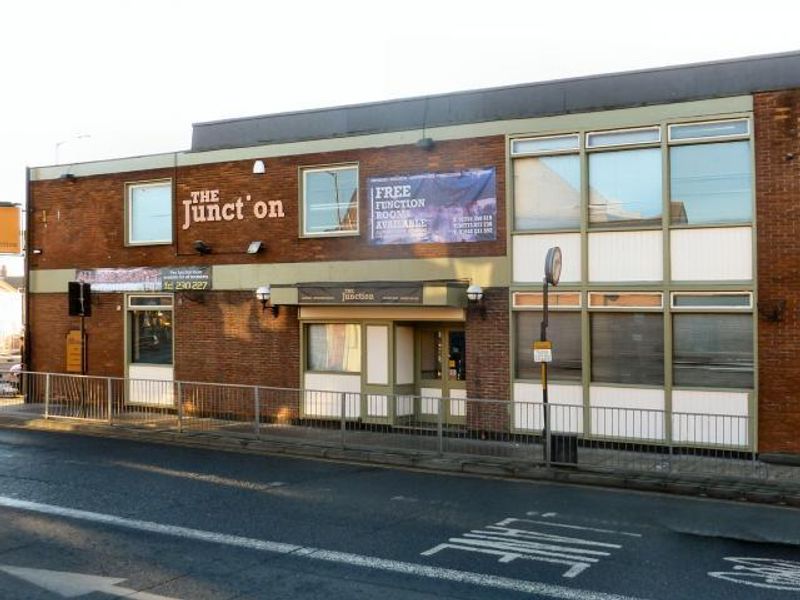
[86, 80]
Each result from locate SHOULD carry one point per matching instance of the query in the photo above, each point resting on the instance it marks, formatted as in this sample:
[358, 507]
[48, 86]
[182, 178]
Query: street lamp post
[542, 350]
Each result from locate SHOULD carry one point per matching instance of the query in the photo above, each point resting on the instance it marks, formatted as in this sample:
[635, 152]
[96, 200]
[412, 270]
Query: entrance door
[150, 351]
[441, 372]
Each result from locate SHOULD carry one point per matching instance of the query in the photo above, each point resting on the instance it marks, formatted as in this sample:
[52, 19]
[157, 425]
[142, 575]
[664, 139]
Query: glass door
[441, 373]
[150, 351]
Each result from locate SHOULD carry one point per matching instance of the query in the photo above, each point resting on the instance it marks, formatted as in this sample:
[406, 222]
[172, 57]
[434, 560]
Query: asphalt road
[101, 518]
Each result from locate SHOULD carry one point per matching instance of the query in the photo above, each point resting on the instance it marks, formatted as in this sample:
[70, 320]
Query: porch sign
[438, 208]
[360, 294]
[147, 279]
[74, 352]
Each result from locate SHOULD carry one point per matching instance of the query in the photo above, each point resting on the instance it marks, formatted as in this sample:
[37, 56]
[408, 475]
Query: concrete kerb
[764, 492]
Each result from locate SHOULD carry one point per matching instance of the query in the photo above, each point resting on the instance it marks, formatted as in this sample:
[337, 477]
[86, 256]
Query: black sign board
[80, 299]
[395, 293]
[178, 279]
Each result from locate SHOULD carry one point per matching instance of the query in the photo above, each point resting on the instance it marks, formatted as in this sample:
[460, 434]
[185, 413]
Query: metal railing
[607, 439]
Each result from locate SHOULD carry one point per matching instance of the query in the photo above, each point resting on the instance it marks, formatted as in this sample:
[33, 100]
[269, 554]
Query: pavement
[741, 480]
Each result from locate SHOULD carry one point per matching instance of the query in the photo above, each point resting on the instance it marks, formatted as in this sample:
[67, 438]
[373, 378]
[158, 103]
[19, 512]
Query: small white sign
[543, 355]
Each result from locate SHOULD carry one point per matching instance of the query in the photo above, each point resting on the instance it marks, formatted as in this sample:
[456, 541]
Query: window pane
[564, 330]
[706, 130]
[711, 183]
[626, 300]
[334, 347]
[712, 300]
[549, 144]
[457, 365]
[431, 354]
[615, 138]
[625, 187]
[713, 350]
[628, 348]
[151, 337]
[547, 192]
[331, 200]
[150, 209]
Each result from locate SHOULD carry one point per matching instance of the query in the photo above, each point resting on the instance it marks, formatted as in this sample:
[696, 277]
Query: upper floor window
[330, 201]
[710, 173]
[149, 212]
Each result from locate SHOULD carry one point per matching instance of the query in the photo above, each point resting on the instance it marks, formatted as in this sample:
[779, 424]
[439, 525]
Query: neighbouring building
[673, 194]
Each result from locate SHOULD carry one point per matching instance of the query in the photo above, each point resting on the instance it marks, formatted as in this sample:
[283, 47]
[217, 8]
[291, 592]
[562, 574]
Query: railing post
[440, 425]
[547, 434]
[47, 396]
[180, 407]
[257, 406]
[110, 402]
[343, 396]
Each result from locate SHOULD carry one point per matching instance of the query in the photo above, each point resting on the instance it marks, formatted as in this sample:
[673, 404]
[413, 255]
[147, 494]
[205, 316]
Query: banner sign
[433, 207]
[10, 227]
[147, 279]
[399, 293]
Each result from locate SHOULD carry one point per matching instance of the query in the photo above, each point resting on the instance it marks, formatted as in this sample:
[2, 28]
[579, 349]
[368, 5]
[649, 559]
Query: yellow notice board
[74, 352]
[10, 230]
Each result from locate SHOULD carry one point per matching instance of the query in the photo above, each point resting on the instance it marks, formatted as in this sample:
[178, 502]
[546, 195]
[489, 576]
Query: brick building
[671, 192]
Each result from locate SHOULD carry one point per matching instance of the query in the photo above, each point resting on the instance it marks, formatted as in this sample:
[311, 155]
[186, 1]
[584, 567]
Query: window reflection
[151, 337]
[625, 187]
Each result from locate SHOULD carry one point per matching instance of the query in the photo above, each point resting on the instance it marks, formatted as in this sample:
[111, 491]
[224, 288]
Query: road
[103, 518]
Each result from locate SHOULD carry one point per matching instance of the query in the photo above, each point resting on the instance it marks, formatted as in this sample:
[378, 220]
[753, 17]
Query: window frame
[307, 325]
[748, 135]
[129, 187]
[302, 200]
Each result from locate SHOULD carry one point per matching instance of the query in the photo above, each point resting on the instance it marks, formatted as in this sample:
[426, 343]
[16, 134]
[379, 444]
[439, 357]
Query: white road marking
[515, 543]
[769, 573]
[72, 585]
[567, 525]
[204, 477]
[345, 558]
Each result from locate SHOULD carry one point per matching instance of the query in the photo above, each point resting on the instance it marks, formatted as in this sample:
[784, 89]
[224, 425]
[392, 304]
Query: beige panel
[151, 385]
[626, 117]
[386, 313]
[632, 413]
[530, 251]
[458, 404]
[378, 354]
[49, 281]
[429, 400]
[717, 254]
[404, 355]
[486, 271]
[377, 405]
[326, 391]
[566, 411]
[710, 417]
[626, 256]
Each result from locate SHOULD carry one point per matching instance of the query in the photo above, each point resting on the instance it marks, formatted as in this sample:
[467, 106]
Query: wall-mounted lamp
[201, 247]
[425, 143]
[475, 298]
[263, 294]
[255, 247]
[36, 251]
[68, 177]
[259, 168]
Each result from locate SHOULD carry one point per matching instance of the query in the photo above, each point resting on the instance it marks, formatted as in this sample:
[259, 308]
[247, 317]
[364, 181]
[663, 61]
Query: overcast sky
[85, 80]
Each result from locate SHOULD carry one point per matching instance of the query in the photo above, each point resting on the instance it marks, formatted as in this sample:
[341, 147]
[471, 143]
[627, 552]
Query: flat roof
[717, 79]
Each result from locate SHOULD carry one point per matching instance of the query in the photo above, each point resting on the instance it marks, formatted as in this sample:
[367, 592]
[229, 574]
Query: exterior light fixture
[259, 168]
[255, 247]
[201, 247]
[68, 177]
[425, 143]
[263, 295]
[475, 298]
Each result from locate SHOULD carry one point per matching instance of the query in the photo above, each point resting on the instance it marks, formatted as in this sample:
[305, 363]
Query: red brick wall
[80, 223]
[226, 337]
[777, 151]
[488, 362]
[50, 324]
